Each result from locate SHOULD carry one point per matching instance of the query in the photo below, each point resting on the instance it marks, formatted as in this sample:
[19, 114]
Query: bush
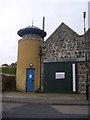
[9, 70]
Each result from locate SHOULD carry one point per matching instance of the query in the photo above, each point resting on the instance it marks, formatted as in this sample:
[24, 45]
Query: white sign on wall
[60, 75]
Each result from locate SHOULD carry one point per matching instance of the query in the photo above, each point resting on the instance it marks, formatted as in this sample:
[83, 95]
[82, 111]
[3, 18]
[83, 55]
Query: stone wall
[88, 43]
[8, 83]
[66, 45]
[81, 76]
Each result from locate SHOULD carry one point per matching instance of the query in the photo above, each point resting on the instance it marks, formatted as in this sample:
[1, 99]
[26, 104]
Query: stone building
[55, 65]
[65, 45]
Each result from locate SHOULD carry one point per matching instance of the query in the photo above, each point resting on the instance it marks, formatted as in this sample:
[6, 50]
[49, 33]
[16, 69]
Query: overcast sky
[17, 14]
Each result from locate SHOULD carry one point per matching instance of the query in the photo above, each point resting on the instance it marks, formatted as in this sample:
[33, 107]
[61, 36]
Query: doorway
[30, 80]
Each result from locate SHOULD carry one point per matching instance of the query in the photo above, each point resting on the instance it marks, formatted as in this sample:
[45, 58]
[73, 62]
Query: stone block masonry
[81, 76]
[66, 45]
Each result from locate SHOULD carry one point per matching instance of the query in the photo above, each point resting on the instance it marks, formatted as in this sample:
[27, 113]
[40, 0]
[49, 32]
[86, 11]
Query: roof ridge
[60, 27]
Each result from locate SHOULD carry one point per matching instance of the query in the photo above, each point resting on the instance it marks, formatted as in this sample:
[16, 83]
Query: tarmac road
[39, 105]
[37, 110]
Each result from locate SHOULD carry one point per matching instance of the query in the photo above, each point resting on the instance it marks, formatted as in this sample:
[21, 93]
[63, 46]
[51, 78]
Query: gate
[60, 77]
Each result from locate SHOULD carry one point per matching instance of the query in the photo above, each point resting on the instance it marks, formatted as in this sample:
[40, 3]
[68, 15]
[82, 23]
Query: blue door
[30, 80]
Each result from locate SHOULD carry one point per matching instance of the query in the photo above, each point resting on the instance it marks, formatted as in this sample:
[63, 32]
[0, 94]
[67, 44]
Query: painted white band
[74, 78]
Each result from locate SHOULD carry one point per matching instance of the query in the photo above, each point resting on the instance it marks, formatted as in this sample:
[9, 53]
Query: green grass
[9, 70]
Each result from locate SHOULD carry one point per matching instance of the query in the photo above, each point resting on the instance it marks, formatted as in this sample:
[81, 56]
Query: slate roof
[31, 30]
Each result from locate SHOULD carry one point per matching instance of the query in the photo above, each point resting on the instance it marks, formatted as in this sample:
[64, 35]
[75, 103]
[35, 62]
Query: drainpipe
[40, 69]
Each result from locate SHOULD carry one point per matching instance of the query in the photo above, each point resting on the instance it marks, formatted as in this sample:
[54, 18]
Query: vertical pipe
[87, 97]
[41, 57]
[43, 23]
[40, 70]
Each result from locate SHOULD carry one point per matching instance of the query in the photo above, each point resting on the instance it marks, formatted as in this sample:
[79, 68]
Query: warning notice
[60, 75]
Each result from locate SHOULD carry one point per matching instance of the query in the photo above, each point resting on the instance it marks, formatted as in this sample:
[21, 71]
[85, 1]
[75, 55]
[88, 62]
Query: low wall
[8, 83]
